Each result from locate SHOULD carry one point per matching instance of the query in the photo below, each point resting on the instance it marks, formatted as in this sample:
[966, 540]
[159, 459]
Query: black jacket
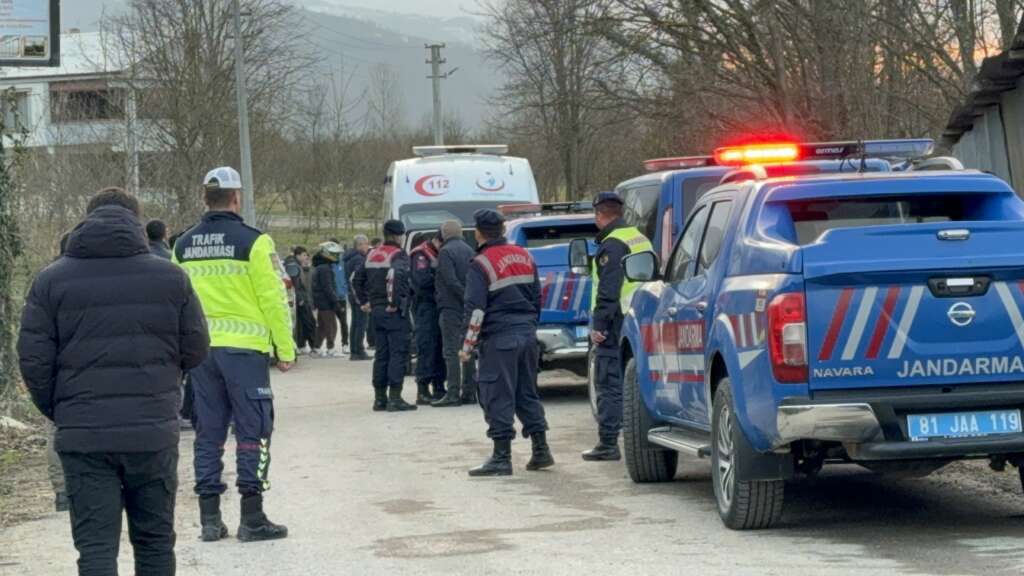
[353, 261]
[105, 334]
[423, 261]
[160, 248]
[607, 314]
[452, 265]
[383, 280]
[325, 291]
[503, 284]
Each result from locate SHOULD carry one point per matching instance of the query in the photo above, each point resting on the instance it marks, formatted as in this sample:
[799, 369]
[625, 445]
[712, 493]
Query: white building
[84, 103]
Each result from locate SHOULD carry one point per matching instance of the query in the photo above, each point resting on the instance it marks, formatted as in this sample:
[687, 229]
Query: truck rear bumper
[559, 343]
[872, 423]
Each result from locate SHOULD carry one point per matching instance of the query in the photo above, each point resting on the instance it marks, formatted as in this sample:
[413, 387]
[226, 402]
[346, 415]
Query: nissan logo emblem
[961, 314]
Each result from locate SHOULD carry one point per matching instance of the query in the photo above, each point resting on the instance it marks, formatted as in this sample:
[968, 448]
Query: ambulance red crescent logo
[432, 185]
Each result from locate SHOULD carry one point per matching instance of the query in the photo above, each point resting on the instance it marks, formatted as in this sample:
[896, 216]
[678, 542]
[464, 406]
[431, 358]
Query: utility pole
[248, 195]
[435, 68]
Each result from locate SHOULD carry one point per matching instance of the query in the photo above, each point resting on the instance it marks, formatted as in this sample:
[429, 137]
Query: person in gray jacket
[450, 287]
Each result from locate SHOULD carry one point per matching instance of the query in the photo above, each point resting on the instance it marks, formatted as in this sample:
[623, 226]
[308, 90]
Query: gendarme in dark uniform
[430, 369]
[383, 285]
[610, 289]
[503, 303]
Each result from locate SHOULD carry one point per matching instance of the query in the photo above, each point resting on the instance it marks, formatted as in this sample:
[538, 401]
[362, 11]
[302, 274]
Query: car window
[714, 235]
[814, 217]
[540, 236]
[641, 208]
[686, 249]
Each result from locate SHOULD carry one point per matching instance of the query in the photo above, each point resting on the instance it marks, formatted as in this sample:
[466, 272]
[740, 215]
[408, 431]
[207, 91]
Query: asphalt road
[371, 493]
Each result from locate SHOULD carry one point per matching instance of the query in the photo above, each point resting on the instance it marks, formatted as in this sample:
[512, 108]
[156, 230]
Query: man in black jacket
[105, 335]
[353, 260]
[429, 356]
[450, 288]
[156, 231]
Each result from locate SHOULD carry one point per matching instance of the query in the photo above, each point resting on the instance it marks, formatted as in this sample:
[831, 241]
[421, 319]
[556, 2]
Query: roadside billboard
[29, 33]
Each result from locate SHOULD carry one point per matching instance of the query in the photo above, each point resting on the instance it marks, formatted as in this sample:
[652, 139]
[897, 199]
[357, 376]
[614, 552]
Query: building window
[15, 110]
[85, 104]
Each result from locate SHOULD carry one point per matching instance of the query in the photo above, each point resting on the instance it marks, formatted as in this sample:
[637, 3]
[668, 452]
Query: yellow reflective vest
[636, 242]
[235, 271]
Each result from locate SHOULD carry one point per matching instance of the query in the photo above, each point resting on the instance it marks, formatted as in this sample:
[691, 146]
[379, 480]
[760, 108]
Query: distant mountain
[364, 38]
[364, 43]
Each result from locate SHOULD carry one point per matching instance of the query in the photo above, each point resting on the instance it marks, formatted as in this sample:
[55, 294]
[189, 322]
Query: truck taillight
[787, 338]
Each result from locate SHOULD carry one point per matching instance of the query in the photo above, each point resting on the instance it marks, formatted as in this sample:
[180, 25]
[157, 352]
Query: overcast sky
[431, 7]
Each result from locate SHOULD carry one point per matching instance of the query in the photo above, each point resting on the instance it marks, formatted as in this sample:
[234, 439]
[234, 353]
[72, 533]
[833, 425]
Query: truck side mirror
[641, 267]
[579, 257]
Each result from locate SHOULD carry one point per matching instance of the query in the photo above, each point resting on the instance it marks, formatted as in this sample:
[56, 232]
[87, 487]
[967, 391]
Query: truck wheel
[592, 383]
[743, 505]
[645, 461]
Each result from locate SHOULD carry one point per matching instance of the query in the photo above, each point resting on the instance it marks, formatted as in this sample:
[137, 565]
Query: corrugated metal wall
[996, 142]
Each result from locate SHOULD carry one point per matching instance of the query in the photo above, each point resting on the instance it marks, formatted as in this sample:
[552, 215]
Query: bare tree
[180, 57]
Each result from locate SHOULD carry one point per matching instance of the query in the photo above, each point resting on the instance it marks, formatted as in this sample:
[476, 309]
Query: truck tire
[742, 504]
[644, 461]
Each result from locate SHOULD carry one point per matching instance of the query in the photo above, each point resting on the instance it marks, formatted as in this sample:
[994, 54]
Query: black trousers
[342, 314]
[608, 381]
[508, 385]
[392, 354]
[103, 486]
[305, 327]
[357, 334]
[430, 367]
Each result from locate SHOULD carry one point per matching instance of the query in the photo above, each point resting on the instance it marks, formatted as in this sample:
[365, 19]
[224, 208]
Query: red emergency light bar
[682, 162]
[774, 153]
[782, 152]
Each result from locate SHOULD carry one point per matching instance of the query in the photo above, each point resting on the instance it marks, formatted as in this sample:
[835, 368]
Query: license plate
[923, 427]
[582, 332]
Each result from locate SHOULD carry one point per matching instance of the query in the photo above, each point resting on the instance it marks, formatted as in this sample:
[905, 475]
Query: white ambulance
[453, 182]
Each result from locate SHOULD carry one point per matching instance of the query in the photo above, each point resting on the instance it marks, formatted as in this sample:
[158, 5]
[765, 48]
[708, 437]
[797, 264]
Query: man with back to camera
[353, 261]
[156, 231]
[429, 356]
[452, 265]
[382, 285]
[235, 272]
[106, 332]
[503, 303]
[609, 290]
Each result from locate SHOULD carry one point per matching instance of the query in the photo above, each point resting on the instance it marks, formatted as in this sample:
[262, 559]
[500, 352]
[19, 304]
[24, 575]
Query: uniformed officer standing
[430, 368]
[503, 303]
[383, 285]
[610, 294]
[234, 270]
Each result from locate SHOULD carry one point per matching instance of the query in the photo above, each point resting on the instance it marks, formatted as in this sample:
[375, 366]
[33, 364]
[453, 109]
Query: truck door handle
[672, 311]
[701, 307]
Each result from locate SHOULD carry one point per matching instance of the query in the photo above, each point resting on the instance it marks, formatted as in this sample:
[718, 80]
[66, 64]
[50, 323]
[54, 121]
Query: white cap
[225, 178]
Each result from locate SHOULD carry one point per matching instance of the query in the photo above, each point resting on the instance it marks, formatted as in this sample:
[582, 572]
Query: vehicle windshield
[429, 215]
[541, 236]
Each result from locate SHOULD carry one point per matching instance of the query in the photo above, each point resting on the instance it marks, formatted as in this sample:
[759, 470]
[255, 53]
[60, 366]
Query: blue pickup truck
[546, 230]
[866, 317]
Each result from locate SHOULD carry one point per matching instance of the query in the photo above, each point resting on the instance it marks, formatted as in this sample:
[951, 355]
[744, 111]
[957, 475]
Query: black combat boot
[470, 398]
[450, 398]
[541, 457]
[255, 526]
[395, 402]
[500, 462]
[439, 391]
[605, 451]
[209, 518]
[423, 394]
[380, 399]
